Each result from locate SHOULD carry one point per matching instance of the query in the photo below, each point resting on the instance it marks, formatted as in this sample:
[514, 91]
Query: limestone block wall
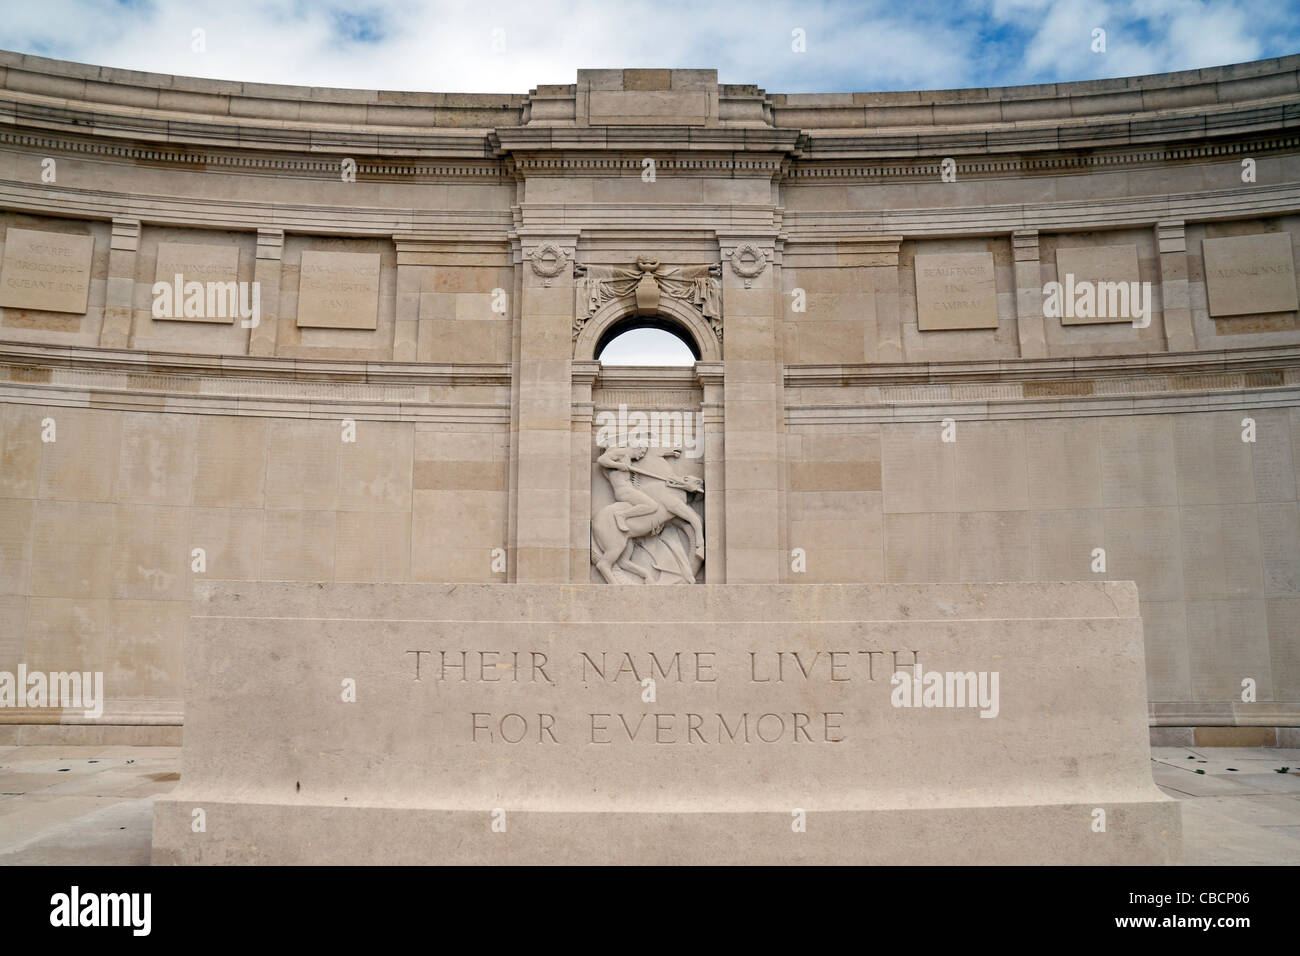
[98, 527]
[457, 320]
[855, 311]
[825, 398]
[1205, 523]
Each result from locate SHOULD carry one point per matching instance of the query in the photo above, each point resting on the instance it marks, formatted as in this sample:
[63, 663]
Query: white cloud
[447, 46]
[1142, 36]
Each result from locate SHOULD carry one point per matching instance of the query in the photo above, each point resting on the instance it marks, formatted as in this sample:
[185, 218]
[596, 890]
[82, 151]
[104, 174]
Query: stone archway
[672, 315]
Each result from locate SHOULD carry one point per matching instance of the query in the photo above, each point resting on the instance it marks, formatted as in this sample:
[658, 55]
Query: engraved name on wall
[1098, 268]
[339, 290]
[1245, 275]
[46, 270]
[956, 291]
[206, 264]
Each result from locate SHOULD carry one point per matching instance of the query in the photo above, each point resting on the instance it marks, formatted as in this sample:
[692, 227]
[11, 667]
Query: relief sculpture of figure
[679, 505]
[649, 495]
[629, 500]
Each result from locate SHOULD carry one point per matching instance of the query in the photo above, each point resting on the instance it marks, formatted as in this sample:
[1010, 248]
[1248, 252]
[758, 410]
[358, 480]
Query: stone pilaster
[542, 529]
[881, 267]
[1171, 244]
[752, 407]
[411, 271]
[582, 414]
[710, 376]
[266, 273]
[120, 288]
[1030, 327]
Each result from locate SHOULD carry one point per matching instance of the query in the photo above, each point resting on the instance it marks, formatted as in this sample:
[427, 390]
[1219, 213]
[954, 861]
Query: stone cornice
[1158, 383]
[1058, 135]
[1059, 159]
[675, 377]
[183, 121]
[1062, 215]
[676, 151]
[587, 147]
[299, 218]
[260, 387]
[186, 131]
[990, 402]
[306, 162]
[647, 222]
[1054, 369]
[1182, 375]
[21, 356]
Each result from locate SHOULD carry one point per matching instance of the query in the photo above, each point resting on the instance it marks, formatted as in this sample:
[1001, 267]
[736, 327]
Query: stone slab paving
[94, 805]
[81, 805]
[1239, 811]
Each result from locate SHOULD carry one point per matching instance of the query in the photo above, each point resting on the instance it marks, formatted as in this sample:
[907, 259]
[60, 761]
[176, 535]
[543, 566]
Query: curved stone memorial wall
[254, 333]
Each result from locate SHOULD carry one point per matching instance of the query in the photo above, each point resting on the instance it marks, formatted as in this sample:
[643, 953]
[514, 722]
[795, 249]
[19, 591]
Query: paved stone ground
[81, 805]
[94, 805]
[1239, 812]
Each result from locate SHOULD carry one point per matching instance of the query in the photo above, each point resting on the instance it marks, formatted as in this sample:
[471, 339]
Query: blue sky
[488, 46]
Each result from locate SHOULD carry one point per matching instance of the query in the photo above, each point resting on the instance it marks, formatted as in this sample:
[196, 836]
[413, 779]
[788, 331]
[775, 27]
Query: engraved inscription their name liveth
[644, 671]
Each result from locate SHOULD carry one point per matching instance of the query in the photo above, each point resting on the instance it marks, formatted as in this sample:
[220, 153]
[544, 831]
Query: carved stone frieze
[645, 283]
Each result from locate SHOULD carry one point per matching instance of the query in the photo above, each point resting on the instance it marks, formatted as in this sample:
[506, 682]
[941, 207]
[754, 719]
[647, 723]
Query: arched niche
[618, 316]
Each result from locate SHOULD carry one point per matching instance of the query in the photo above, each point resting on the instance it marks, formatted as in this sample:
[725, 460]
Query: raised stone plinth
[511, 724]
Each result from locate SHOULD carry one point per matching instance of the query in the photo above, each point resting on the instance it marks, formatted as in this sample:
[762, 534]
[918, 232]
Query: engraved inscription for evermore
[651, 514]
[644, 672]
[339, 290]
[46, 270]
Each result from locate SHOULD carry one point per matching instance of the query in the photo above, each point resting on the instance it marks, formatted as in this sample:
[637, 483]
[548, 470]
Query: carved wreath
[748, 260]
[548, 260]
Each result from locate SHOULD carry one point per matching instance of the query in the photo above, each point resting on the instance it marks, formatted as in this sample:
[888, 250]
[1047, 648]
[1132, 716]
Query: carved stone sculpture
[548, 261]
[646, 282]
[650, 533]
[748, 261]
